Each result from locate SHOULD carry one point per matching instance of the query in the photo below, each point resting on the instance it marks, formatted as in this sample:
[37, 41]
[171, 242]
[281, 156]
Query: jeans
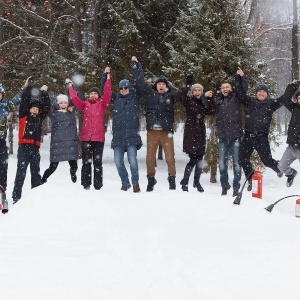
[232, 146]
[134, 168]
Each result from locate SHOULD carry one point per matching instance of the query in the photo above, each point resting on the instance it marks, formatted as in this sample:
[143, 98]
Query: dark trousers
[92, 152]
[261, 144]
[53, 166]
[3, 163]
[27, 154]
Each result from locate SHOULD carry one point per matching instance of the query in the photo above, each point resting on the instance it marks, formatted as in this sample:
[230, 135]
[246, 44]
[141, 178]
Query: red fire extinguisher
[257, 183]
[297, 208]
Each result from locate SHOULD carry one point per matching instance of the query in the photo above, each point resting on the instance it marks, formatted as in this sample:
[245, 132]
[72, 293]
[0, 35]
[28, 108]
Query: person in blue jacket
[125, 130]
[6, 106]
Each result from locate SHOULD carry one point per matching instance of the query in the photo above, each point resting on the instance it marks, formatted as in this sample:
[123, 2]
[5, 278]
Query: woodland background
[55, 39]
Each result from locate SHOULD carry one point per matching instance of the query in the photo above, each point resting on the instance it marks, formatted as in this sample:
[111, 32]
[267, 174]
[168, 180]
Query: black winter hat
[35, 103]
[262, 87]
[95, 89]
[161, 79]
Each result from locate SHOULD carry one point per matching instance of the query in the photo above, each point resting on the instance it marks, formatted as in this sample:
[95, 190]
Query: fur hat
[197, 86]
[95, 89]
[262, 87]
[34, 103]
[124, 83]
[62, 98]
[161, 79]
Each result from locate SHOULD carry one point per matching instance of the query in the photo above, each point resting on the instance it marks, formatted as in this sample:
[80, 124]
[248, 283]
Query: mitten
[44, 88]
[189, 79]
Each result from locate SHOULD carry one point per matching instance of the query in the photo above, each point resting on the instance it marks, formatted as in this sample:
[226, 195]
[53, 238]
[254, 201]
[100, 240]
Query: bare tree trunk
[295, 44]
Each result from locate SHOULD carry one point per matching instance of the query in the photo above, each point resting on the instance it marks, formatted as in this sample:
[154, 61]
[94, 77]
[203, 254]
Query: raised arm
[45, 109]
[138, 77]
[107, 92]
[286, 98]
[25, 98]
[77, 102]
[241, 87]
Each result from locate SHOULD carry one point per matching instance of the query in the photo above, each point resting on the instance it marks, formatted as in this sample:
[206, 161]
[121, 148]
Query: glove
[44, 88]
[68, 81]
[189, 79]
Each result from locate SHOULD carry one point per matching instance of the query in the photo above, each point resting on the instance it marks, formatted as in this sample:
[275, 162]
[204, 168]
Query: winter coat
[159, 107]
[93, 114]
[7, 106]
[259, 113]
[293, 136]
[194, 137]
[229, 114]
[30, 127]
[125, 120]
[64, 138]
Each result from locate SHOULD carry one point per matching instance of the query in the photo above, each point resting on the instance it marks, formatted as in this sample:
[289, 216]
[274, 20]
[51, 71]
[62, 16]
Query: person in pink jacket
[92, 134]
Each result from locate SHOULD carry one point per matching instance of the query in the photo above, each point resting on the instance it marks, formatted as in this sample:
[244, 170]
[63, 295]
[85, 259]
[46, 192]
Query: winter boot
[125, 187]
[249, 187]
[4, 201]
[73, 175]
[196, 183]
[151, 183]
[136, 188]
[185, 180]
[172, 183]
[290, 178]
[224, 190]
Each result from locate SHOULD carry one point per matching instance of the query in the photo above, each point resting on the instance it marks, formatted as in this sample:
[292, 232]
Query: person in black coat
[160, 102]
[125, 130]
[292, 152]
[259, 112]
[197, 106]
[230, 132]
[34, 108]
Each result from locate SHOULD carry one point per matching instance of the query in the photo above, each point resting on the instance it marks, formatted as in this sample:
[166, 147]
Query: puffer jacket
[64, 138]
[7, 106]
[125, 120]
[93, 114]
[159, 107]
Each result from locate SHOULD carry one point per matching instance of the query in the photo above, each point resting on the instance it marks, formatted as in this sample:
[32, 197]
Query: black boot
[172, 183]
[290, 178]
[185, 180]
[151, 183]
[196, 183]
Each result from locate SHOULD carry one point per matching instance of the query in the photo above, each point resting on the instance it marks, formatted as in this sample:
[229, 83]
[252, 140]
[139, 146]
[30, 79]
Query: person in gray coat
[64, 138]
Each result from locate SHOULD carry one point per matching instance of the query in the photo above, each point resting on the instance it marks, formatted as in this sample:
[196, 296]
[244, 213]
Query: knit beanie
[95, 89]
[34, 103]
[62, 98]
[197, 86]
[262, 87]
[124, 83]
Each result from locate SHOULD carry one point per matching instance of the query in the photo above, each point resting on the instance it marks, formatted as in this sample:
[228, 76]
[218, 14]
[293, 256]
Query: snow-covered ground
[62, 242]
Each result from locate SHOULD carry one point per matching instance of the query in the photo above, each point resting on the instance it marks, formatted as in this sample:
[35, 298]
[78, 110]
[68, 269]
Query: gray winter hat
[197, 86]
[262, 87]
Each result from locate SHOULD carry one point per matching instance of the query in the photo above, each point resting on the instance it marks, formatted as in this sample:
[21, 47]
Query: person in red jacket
[34, 108]
[92, 133]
